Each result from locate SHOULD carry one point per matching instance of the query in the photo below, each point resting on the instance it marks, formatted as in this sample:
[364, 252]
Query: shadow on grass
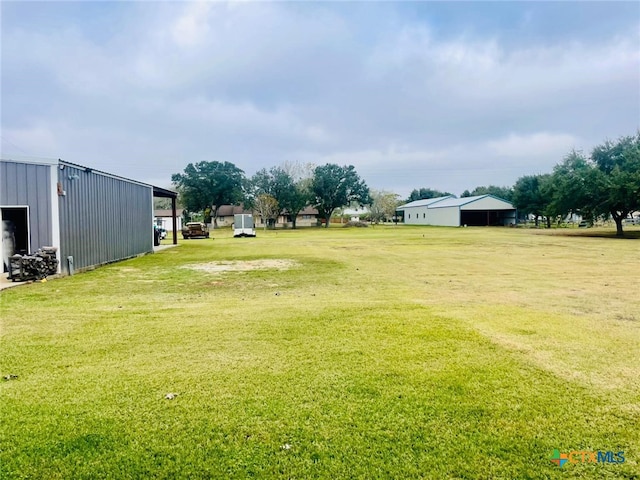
[592, 233]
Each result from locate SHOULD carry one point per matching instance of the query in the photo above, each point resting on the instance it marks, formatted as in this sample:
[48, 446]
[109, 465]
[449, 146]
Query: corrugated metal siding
[446, 217]
[29, 184]
[102, 218]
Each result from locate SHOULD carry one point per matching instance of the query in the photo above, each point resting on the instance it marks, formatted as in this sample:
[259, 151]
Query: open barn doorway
[479, 218]
[15, 233]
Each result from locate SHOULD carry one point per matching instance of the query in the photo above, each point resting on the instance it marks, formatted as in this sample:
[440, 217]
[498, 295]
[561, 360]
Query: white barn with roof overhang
[449, 211]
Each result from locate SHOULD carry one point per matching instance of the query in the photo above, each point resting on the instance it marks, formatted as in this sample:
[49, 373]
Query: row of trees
[425, 193]
[205, 186]
[605, 183]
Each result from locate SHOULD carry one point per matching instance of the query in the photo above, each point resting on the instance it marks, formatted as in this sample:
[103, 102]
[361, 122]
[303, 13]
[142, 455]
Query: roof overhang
[163, 192]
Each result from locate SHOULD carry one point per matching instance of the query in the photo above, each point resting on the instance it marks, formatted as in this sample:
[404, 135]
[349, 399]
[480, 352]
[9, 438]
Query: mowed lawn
[385, 352]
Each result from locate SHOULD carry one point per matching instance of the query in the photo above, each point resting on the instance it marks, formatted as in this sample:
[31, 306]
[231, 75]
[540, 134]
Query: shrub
[355, 223]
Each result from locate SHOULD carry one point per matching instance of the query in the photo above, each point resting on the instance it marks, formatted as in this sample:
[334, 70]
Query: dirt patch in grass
[244, 265]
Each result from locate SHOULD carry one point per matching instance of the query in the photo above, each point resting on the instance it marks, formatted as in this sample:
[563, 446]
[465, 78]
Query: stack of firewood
[33, 267]
[48, 255]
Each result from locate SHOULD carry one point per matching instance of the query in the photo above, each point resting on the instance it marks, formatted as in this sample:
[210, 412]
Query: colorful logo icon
[583, 456]
[559, 458]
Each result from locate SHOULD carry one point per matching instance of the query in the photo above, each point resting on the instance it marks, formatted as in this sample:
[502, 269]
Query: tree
[334, 186]
[161, 203]
[296, 199]
[291, 196]
[608, 183]
[617, 183]
[568, 189]
[209, 185]
[268, 208]
[299, 196]
[297, 170]
[506, 193]
[425, 193]
[528, 195]
[383, 205]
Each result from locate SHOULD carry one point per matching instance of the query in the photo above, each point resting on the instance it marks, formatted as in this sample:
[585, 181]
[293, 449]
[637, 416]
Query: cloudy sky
[413, 94]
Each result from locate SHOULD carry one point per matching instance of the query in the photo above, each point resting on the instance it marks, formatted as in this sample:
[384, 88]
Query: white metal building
[449, 211]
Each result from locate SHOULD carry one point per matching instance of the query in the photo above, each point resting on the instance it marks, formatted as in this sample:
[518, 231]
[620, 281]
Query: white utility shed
[481, 210]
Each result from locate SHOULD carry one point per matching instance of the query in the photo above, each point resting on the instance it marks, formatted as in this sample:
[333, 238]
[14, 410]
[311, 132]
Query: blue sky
[447, 95]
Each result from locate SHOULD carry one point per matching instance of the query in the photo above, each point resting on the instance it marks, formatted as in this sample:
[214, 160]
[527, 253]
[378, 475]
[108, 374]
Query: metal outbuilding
[91, 217]
[449, 211]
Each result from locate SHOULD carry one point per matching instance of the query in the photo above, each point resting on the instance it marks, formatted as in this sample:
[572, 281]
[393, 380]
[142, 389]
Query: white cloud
[260, 83]
[192, 26]
[543, 144]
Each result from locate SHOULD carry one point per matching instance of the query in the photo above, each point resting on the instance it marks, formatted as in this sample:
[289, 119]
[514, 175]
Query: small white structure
[243, 226]
[353, 213]
[164, 219]
[481, 210]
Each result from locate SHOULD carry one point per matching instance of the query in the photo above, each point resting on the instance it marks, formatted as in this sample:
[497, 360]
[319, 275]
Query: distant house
[308, 217]
[354, 213]
[481, 210]
[226, 213]
[164, 219]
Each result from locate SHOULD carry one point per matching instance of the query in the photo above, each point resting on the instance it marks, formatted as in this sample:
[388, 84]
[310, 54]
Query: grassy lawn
[386, 352]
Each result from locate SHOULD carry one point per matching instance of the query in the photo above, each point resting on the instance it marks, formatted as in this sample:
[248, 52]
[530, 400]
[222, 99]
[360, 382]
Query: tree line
[603, 184]
[206, 186]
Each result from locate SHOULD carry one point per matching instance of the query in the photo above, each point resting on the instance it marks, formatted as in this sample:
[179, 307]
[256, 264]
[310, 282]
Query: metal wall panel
[445, 217]
[29, 184]
[102, 218]
[416, 215]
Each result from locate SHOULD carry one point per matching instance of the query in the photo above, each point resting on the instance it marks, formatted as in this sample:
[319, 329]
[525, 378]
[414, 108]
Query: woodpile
[36, 266]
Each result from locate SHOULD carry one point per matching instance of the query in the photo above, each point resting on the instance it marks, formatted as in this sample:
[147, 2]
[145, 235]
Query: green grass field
[385, 352]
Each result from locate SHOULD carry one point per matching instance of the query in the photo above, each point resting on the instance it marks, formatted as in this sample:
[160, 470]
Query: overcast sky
[413, 94]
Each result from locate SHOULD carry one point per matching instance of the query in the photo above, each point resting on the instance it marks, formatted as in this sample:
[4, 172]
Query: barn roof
[162, 212]
[228, 210]
[424, 202]
[460, 202]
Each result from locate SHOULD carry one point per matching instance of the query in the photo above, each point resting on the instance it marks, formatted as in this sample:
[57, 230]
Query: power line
[5, 139]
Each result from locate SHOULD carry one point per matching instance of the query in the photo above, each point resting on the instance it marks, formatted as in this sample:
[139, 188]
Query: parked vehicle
[195, 230]
[243, 225]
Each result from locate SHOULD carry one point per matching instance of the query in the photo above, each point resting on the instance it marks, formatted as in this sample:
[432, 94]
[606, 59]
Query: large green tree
[570, 186]
[333, 186]
[208, 185]
[618, 179]
[506, 193]
[607, 183]
[529, 196]
[299, 196]
[292, 196]
[424, 193]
